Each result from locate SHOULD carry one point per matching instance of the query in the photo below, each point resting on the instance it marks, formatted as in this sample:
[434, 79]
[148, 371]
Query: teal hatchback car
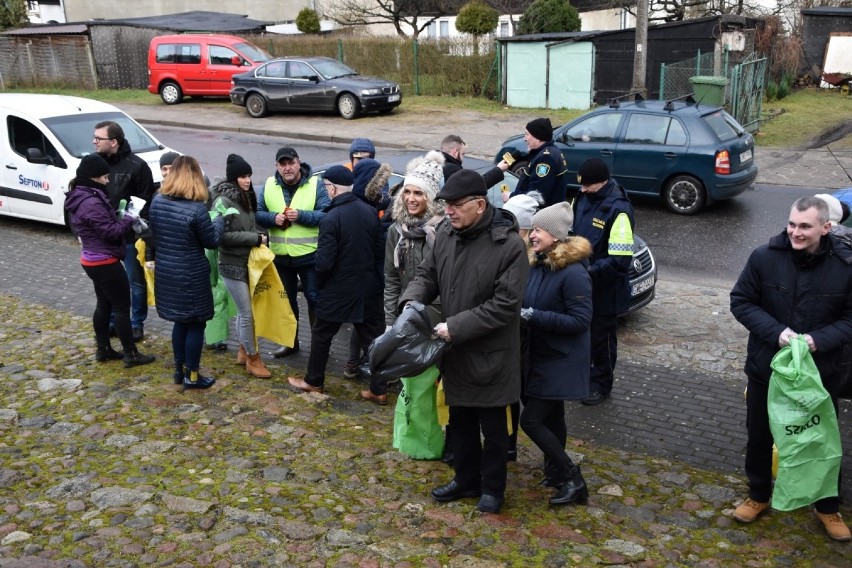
[688, 154]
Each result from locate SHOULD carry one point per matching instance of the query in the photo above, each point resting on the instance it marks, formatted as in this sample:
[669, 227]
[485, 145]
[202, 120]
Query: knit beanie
[92, 166]
[235, 167]
[362, 148]
[168, 158]
[592, 171]
[426, 173]
[557, 220]
[523, 206]
[541, 129]
[835, 210]
[338, 175]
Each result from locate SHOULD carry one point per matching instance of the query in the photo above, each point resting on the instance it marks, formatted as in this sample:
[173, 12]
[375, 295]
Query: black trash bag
[408, 348]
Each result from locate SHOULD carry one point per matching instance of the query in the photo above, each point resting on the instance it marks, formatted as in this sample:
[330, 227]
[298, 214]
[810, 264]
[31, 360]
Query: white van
[42, 141]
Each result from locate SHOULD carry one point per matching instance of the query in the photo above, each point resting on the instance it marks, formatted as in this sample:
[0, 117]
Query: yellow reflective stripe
[621, 237]
[300, 240]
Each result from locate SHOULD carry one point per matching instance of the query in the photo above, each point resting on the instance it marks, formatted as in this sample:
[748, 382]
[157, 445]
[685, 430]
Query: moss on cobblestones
[129, 470]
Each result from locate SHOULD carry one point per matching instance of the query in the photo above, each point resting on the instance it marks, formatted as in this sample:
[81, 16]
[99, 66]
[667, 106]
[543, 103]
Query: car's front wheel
[256, 105]
[171, 93]
[347, 106]
[685, 195]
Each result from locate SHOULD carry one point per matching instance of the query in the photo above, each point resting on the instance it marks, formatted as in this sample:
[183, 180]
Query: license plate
[393, 98]
[746, 156]
[643, 286]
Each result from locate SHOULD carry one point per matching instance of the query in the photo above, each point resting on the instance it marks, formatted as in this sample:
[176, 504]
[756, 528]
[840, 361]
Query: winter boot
[133, 358]
[255, 366]
[179, 373]
[572, 491]
[105, 352]
[194, 380]
[242, 356]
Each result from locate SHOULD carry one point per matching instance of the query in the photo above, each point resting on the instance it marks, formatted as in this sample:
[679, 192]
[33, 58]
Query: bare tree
[416, 14]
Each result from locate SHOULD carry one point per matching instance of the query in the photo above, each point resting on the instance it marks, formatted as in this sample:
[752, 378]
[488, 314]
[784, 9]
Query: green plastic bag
[804, 426]
[416, 432]
[224, 308]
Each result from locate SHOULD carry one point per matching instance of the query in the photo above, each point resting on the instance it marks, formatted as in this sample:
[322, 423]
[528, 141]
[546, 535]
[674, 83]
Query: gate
[747, 84]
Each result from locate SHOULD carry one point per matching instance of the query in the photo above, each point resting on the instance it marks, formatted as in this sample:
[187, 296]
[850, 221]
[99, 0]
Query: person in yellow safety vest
[291, 205]
[604, 215]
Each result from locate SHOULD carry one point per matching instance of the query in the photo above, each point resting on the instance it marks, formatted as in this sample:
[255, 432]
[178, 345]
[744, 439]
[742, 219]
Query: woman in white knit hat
[410, 239]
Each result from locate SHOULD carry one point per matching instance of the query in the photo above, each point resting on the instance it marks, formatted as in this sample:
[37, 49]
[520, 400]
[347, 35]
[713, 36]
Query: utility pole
[640, 55]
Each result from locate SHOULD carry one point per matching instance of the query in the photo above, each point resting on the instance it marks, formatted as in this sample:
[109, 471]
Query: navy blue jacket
[560, 292]
[349, 252]
[182, 230]
[773, 293]
[594, 215]
[546, 173]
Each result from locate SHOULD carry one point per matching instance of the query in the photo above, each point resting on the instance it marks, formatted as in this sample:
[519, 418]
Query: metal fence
[675, 77]
[47, 61]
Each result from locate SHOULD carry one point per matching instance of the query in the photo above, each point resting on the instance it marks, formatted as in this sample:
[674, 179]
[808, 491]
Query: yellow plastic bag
[149, 274]
[441, 404]
[273, 317]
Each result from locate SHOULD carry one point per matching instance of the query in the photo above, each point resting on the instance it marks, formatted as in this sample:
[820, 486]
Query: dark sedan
[312, 84]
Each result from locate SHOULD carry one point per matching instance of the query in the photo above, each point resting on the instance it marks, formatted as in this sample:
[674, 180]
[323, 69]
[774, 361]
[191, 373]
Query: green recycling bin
[709, 89]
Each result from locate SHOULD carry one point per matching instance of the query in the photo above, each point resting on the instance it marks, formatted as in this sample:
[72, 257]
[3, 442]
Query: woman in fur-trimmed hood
[557, 309]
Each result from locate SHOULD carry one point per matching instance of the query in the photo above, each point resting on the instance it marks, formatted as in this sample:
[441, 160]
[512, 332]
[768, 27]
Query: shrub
[307, 21]
[771, 91]
[549, 16]
[783, 89]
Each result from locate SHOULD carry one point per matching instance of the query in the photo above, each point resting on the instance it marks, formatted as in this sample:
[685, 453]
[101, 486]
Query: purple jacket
[93, 220]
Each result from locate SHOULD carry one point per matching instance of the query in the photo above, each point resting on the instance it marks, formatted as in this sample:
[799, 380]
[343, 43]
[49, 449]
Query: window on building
[504, 29]
[432, 30]
[445, 29]
[32, 5]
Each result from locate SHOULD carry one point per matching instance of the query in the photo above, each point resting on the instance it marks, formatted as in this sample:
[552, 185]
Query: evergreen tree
[549, 16]
[308, 21]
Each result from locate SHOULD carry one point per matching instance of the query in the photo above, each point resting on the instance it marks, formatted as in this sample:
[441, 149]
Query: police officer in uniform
[547, 171]
[604, 215]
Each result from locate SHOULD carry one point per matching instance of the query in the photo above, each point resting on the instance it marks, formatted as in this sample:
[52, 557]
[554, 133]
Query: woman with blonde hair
[182, 229]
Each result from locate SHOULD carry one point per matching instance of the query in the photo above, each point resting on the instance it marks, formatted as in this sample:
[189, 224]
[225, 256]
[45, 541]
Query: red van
[198, 65]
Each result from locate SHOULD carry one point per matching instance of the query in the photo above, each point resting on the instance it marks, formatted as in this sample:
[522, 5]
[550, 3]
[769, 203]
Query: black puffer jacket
[182, 230]
[773, 293]
[129, 175]
[480, 274]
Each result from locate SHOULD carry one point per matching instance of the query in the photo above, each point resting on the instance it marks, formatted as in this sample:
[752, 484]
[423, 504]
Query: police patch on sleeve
[542, 170]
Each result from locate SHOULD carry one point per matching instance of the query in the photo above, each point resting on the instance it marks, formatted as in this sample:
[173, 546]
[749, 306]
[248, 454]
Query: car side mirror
[237, 60]
[313, 78]
[35, 156]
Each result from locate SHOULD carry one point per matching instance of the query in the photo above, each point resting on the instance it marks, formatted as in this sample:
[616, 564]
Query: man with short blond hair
[798, 284]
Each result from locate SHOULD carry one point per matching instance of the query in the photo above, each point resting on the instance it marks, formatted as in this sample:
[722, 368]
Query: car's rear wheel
[256, 105]
[171, 93]
[347, 106]
[685, 195]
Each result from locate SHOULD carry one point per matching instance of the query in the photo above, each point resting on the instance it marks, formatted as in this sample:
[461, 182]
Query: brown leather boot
[242, 356]
[255, 366]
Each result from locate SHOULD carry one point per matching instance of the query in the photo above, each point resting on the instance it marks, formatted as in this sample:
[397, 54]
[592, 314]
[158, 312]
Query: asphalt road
[711, 247]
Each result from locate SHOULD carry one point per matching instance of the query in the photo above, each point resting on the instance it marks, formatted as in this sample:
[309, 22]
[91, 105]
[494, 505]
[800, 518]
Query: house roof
[507, 6]
[195, 21]
[828, 11]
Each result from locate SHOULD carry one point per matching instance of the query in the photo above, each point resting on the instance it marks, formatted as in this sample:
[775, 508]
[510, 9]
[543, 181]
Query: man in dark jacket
[800, 283]
[478, 266]
[604, 215]
[291, 205]
[348, 255]
[129, 176]
[547, 172]
[453, 148]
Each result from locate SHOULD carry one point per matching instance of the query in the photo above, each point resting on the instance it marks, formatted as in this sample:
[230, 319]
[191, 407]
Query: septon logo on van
[35, 183]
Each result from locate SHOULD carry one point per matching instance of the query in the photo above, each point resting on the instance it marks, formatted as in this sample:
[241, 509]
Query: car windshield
[254, 53]
[724, 125]
[331, 69]
[75, 132]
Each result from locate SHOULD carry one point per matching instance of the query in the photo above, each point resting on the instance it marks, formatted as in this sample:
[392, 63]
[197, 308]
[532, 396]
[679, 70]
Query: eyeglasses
[457, 204]
[99, 139]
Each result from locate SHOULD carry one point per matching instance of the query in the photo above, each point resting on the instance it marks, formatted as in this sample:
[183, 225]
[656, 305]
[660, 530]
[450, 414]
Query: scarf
[409, 233]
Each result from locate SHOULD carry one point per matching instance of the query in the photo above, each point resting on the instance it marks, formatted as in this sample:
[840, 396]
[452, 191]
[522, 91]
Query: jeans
[480, 465]
[138, 288]
[758, 461]
[604, 351]
[291, 270]
[239, 292]
[544, 422]
[187, 341]
[113, 297]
